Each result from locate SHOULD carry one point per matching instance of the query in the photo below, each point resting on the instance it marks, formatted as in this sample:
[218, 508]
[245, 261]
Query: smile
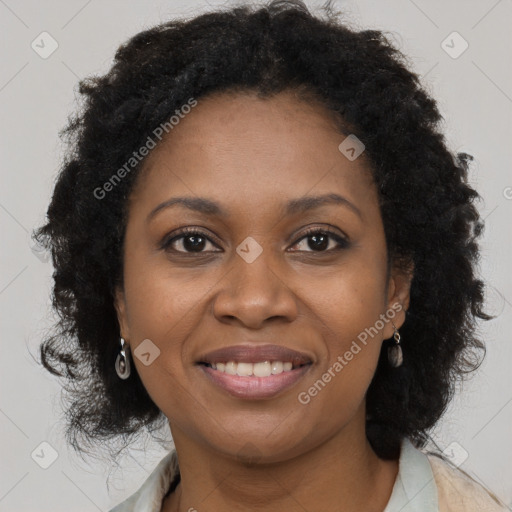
[254, 381]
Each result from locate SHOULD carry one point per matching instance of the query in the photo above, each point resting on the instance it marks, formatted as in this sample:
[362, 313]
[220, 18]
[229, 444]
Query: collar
[415, 489]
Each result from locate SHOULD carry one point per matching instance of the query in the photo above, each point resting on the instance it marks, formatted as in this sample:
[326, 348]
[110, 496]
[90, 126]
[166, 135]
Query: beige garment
[458, 492]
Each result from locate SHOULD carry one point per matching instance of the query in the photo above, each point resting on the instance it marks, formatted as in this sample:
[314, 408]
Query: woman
[261, 238]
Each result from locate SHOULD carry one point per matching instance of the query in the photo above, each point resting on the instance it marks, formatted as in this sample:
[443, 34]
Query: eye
[319, 240]
[189, 239]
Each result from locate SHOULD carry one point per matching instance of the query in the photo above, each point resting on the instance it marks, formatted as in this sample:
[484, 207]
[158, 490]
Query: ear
[120, 306]
[398, 299]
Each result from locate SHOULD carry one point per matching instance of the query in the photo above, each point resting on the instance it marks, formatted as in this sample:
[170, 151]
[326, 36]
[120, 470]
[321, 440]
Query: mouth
[255, 371]
[252, 387]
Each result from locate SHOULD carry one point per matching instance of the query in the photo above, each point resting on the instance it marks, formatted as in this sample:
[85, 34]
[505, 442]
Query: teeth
[277, 367]
[260, 369]
[244, 369]
[230, 368]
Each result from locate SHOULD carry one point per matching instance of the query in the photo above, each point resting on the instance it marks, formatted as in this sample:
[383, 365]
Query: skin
[253, 155]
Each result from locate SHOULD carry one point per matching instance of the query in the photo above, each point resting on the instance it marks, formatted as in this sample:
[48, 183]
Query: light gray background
[36, 95]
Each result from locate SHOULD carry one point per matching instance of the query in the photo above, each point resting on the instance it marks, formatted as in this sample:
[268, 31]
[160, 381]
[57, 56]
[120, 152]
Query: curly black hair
[426, 203]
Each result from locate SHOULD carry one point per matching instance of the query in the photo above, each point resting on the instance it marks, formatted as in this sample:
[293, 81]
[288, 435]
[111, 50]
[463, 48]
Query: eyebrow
[293, 207]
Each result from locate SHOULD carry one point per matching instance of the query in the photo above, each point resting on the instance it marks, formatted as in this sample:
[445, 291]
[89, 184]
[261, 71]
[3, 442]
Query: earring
[123, 367]
[395, 355]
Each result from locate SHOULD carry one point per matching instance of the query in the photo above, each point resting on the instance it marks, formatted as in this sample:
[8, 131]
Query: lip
[255, 388]
[254, 354]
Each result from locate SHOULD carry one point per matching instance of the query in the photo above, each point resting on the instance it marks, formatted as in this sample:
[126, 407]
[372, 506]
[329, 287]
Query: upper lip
[255, 354]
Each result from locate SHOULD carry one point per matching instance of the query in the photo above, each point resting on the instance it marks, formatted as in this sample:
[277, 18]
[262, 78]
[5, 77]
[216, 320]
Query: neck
[344, 472]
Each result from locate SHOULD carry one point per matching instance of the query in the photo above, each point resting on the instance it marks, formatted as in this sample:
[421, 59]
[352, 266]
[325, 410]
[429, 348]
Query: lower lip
[255, 387]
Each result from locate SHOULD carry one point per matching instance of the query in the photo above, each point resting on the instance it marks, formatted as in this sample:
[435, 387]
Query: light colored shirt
[424, 483]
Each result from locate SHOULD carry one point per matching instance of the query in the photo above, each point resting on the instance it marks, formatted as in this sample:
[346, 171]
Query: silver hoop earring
[123, 367]
[395, 355]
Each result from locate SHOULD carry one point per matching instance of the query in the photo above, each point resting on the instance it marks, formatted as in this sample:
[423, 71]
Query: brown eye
[188, 241]
[323, 240]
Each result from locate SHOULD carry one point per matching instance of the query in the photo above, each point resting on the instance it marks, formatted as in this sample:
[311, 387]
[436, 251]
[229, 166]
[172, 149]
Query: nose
[253, 293]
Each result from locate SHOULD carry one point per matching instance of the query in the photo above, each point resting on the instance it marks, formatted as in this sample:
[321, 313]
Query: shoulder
[458, 492]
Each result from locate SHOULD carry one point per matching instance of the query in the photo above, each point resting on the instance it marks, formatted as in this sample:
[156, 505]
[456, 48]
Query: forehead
[246, 152]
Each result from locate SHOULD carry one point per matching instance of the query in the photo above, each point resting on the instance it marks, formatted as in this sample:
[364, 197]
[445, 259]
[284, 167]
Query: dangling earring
[123, 368]
[395, 356]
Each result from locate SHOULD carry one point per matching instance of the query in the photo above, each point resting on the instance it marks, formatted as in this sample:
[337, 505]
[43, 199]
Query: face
[263, 267]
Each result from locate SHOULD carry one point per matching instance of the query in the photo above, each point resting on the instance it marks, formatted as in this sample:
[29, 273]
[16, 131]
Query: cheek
[163, 306]
[351, 298]
[348, 306]
[161, 299]
[336, 392]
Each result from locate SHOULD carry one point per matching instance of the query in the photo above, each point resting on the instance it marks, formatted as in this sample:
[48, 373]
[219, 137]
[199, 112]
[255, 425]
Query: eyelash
[343, 242]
